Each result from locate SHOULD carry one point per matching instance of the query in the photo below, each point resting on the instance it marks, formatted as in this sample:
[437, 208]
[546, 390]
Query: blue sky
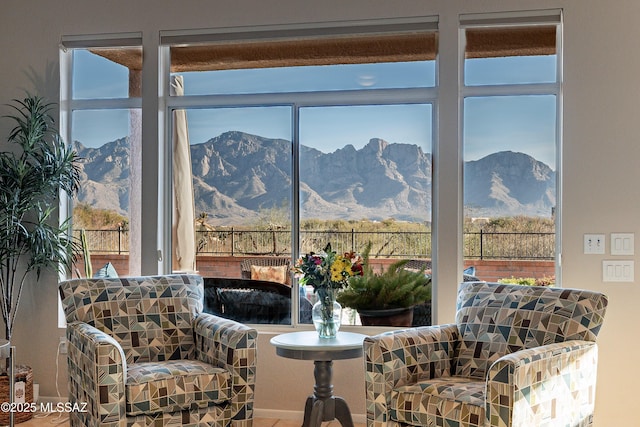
[324, 128]
[525, 124]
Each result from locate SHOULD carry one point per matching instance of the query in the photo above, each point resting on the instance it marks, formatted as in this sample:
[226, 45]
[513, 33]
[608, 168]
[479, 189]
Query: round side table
[322, 405]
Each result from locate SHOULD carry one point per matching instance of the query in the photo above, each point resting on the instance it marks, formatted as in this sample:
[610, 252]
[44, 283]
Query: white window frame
[446, 98]
[519, 19]
[68, 105]
[295, 100]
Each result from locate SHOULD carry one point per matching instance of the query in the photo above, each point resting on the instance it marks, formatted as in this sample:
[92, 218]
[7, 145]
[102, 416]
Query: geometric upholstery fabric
[174, 385]
[495, 320]
[516, 356]
[151, 318]
[452, 398]
[142, 353]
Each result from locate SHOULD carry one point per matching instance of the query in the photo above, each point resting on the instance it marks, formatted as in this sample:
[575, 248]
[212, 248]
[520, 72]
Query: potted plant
[35, 168]
[386, 298]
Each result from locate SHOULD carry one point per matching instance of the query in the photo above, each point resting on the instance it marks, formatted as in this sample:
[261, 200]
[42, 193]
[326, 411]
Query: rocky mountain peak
[237, 174]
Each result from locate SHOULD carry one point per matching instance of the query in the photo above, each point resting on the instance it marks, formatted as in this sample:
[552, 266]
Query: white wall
[601, 152]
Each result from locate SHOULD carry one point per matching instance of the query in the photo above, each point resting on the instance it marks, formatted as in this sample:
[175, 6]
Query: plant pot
[21, 373]
[387, 317]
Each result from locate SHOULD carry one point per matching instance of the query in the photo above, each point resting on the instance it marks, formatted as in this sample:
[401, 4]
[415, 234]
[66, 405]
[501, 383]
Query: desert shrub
[514, 224]
[526, 281]
[529, 281]
[90, 218]
[546, 281]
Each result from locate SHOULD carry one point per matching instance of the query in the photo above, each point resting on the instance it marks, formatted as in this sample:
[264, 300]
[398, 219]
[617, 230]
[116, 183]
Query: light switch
[594, 244]
[617, 271]
[622, 244]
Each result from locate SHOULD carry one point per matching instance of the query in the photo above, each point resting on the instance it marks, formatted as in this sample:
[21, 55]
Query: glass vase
[326, 314]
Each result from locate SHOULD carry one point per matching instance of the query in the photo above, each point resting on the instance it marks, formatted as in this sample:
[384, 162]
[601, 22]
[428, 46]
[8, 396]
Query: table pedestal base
[323, 405]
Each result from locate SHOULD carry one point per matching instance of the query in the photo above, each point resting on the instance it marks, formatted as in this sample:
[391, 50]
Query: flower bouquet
[327, 272]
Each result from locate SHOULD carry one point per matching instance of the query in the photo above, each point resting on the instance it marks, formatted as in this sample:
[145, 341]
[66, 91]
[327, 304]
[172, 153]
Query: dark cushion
[253, 306]
[252, 301]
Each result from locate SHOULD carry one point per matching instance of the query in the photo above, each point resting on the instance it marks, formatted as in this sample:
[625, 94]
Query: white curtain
[183, 227]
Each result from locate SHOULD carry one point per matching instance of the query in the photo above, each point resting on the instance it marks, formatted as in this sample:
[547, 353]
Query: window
[102, 95]
[276, 141]
[300, 142]
[511, 144]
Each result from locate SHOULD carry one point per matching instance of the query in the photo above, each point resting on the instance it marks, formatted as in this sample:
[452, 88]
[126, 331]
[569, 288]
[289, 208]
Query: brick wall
[209, 266]
[221, 266]
[120, 263]
[493, 270]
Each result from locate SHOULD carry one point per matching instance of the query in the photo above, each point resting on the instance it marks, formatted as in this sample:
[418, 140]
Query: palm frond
[31, 177]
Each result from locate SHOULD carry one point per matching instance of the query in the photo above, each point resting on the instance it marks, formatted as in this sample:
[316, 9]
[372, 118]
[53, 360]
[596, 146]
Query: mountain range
[236, 174]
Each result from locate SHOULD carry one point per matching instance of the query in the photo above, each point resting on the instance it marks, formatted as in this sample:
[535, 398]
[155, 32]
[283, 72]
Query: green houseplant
[35, 168]
[386, 298]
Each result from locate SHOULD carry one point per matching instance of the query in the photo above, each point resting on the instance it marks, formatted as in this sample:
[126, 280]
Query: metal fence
[484, 245]
[278, 243]
[477, 245]
[106, 241]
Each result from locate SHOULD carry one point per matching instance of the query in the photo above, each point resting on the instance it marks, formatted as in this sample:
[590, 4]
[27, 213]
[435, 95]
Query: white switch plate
[594, 244]
[622, 244]
[617, 271]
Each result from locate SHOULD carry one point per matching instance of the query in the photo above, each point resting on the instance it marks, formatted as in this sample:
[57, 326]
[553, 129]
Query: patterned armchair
[141, 353]
[516, 356]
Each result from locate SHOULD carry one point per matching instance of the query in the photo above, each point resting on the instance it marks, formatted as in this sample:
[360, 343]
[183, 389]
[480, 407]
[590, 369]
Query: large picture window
[273, 142]
[331, 144]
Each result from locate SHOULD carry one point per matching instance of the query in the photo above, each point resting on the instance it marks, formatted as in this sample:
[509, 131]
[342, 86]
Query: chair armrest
[97, 371]
[400, 357]
[551, 384]
[230, 345]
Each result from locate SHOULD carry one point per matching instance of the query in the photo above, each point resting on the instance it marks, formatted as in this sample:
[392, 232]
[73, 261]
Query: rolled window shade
[101, 40]
[124, 49]
[510, 41]
[290, 53]
[484, 42]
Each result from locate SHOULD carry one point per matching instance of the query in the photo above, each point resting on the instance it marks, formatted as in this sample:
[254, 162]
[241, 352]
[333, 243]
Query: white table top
[307, 345]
